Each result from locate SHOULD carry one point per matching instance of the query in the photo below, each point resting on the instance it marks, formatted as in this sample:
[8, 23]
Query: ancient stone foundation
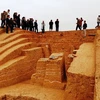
[50, 71]
[49, 66]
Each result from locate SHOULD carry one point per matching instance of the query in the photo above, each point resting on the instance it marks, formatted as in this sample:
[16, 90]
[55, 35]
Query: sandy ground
[36, 91]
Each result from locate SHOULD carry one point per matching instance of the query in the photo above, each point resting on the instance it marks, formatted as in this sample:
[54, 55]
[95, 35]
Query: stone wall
[79, 87]
[81, 74]
[97, 73]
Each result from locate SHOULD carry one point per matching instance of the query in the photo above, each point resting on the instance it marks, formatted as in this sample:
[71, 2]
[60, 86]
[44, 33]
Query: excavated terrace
[60, 65]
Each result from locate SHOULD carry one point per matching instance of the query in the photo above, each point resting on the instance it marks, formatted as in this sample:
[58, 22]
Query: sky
[65, 10]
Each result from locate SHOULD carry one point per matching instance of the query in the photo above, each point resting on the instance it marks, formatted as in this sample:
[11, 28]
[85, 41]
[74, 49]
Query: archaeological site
[53, 65]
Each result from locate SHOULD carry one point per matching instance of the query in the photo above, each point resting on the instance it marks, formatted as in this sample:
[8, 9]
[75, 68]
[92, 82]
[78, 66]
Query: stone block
[38, 77]
[55, 68]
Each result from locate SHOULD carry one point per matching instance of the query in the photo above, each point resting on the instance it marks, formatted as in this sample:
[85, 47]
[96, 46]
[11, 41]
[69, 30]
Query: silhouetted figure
[57, 25]
[98, 20]
[18, 21]
[9, 24]
[31, 24]
[3, 18]
[43, 27]
[15, 17]
[51, 25]
[23, 23]
[84, 28]
[78, 24]
[36, 26]
[28, 24]
[84, 25]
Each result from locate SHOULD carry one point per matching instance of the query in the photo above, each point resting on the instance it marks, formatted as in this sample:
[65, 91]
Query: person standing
[36, 26]
[18, 21]
[24, 23]
[15, 17]
[78, 24]
[3, 18]
[28, 24]
[31, 24]
[8, 12]
[84, 28]
[9, 24]
[98, 20]
[51, 25]
[57, 25]
[43, 27]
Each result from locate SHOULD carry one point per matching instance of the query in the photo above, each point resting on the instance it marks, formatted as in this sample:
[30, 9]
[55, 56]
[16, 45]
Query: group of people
[32, 25]
[6, 21]
[80, 25]
[29, 24]
[26, 24]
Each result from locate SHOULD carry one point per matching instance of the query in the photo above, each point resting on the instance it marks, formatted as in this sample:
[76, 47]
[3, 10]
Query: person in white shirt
[43, 27]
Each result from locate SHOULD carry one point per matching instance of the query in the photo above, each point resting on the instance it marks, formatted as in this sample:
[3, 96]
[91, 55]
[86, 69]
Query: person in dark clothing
[98, 21]
[18, 21]
[57, 25]
[31, 24]
[3, 18]
[23, 23]
[27, 24]
[84, 25]
[15, 19]
[78, 24]
[9, 24]
[36, 26]
[84, 28]
[51, 25]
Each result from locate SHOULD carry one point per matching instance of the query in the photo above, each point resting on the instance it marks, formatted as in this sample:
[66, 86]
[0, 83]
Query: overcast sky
[65, 10]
